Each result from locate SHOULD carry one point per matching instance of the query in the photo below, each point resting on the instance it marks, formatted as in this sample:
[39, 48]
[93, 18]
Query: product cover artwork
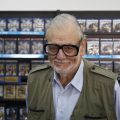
[3, 25]
[13, 24]
[2, 113]
[23, 113]
[36, 46]
[92, 25]
[20, 91]
[82, 24]
[10, 45]
[24, 69]
[116, 25]
[11, 113]
[106, 46]
[26, 24]
[1, 45]
[93, 46]
[9, 91]
[23, 46]
[38, 25]
[105, 25]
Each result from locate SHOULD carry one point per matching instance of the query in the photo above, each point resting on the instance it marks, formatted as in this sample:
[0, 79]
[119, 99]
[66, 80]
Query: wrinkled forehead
[63, 37]
[63, 32]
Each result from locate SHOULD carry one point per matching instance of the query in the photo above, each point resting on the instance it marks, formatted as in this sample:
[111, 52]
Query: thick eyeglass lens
[69, 50]
[51, 49]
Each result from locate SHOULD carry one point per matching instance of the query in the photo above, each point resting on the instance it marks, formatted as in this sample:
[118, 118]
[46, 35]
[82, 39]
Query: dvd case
[116, 46]
[11, 113]
[21, 91]
[92, 25]
[116, 25]
[1, 45]
[10, 45]
[3, 24]
[11, 67]
[36, 45]
[13, 24]
[9, 91]
[1, 91]
[38, 25]
[22, 113]
[26, 24]
[105, 25]
[47, 22]
[2, 112]
[82, 24]
[23, 45]
[106, 46]
[93, 46]
[23, 69]
[2, 71]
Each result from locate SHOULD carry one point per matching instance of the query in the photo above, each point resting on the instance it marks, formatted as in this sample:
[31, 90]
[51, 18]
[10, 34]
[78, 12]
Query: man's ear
[83, 47]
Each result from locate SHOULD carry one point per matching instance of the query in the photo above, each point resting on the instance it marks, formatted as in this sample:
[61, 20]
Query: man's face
[60, 62]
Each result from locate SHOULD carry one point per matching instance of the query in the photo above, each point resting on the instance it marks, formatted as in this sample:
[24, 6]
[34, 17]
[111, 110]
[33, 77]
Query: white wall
[59, 4]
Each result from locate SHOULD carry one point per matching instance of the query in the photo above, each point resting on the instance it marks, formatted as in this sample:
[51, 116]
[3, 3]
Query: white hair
[63, 22]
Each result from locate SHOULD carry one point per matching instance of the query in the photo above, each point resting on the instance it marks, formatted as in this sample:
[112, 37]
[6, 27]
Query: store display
[22, 37]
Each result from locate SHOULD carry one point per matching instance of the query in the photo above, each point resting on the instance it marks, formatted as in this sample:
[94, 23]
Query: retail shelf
[22, 56]
[102, 56]
[21, 33]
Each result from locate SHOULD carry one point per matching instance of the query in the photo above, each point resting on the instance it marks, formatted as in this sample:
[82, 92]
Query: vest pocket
[88, 117]
[34, 114]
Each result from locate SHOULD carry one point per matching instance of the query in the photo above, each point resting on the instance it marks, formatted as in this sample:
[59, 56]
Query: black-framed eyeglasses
[69, 50]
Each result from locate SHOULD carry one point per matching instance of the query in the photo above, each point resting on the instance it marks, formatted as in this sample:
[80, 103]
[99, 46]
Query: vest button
[93, 68]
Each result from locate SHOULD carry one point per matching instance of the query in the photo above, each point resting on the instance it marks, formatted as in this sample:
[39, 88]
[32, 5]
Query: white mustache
[60, 61]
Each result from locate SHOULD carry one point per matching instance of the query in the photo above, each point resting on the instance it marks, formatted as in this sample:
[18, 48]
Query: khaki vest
[96, 101]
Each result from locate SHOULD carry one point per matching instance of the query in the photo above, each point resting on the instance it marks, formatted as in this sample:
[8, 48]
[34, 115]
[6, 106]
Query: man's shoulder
[40, 68]
[101, 71]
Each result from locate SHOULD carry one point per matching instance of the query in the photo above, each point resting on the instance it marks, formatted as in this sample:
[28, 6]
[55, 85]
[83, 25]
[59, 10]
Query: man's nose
[60, 54]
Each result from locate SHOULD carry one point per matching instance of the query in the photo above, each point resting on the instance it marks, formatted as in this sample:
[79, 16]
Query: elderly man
[70, 87]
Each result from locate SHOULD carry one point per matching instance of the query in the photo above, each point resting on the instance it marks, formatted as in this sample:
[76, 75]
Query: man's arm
[117, 99]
